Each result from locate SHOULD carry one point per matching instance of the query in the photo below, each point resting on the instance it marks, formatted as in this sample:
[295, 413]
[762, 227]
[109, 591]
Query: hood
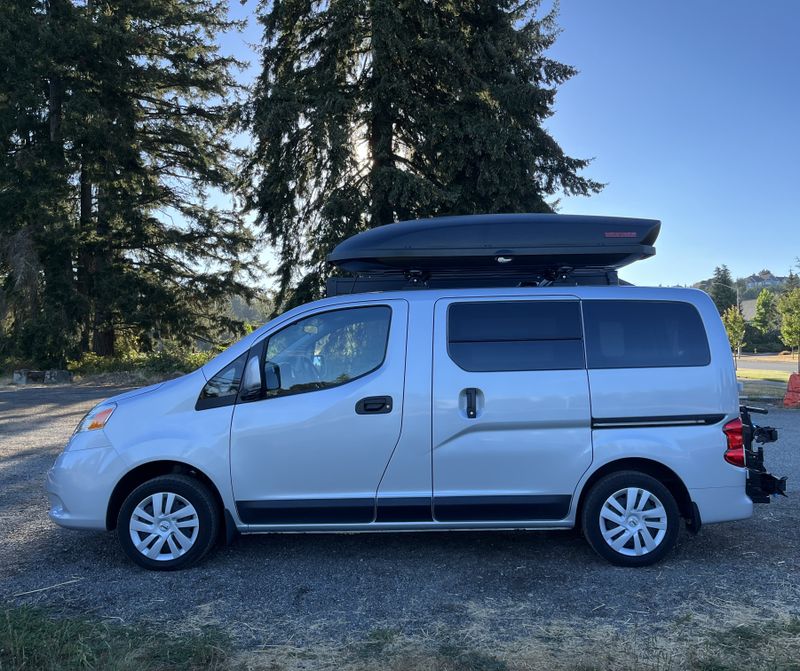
[142, 390]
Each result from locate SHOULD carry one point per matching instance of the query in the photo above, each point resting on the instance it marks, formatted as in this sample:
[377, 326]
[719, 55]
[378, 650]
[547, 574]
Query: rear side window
[644, 334]
[515, 336]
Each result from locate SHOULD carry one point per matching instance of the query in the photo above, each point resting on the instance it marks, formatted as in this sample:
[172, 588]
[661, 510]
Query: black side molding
[500, 508]
[648, 422]
[307, 511]
[405, 509]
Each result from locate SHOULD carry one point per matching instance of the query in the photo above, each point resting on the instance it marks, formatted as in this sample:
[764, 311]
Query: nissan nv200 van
[482, 372]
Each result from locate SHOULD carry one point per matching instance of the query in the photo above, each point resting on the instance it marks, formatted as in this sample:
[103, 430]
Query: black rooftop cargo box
[491, 250]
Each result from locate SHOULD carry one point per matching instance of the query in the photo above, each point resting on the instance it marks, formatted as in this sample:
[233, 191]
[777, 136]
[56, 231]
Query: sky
[691, 111]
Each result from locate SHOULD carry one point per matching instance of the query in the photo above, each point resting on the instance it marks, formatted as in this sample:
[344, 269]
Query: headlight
[96, 418]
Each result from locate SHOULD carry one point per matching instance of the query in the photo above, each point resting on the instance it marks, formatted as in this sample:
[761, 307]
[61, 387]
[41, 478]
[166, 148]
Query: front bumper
[79, 486]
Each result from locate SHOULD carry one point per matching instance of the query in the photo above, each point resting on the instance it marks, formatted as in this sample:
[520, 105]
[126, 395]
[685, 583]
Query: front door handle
[374, 405]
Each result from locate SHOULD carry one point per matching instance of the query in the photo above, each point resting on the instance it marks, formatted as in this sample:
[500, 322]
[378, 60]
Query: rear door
[511, 415]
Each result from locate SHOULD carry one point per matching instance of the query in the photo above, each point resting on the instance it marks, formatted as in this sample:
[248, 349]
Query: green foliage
[792, 282]
[722, 289]
[762, 342]
[733, 319]
[789, 308]
[766, 317]
[369, 111]
[169, 360]
[31, 640]
[115, 118]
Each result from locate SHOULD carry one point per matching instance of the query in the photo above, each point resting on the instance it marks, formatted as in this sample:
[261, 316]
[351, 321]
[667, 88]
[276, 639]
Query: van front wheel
[630, 519]
[168, 523]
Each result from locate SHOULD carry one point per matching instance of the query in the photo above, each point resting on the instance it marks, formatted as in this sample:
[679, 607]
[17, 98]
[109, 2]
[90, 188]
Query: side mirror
[251, 384]
[272, 376]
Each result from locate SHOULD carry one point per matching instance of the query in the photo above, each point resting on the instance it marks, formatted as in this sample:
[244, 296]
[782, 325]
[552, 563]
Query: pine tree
[369, 111]
[134, 140]
[39, 308]
[792, 281]
[722, 289]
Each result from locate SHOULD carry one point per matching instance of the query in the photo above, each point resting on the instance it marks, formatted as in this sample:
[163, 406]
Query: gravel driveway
[300, 591]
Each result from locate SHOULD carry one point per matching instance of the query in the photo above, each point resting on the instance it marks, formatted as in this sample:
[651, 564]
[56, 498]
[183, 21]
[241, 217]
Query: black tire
[191, 490]
[593, 526]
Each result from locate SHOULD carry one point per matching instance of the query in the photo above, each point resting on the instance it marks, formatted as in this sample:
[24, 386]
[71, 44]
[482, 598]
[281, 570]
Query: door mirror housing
[272, 376]
[251, 382]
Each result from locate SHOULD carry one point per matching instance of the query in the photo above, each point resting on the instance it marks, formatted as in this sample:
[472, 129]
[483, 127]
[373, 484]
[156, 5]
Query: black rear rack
[761, 485]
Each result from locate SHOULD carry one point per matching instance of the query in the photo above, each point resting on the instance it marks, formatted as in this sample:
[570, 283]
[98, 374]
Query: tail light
[735, 452]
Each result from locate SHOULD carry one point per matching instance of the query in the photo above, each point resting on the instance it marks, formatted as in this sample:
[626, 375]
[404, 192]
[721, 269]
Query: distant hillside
[750, 286]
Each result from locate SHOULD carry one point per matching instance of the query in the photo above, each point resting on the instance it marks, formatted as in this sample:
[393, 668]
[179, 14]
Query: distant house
[763, 280]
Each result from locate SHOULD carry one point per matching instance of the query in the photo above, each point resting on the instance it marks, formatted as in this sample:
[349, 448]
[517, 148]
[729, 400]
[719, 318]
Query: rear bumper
[722, 504]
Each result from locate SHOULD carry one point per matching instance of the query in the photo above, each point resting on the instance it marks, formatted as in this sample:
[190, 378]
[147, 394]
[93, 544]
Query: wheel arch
[656, 469]
[152, 469]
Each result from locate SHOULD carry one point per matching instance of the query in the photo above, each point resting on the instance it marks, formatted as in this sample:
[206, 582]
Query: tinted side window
[328, 349]
[222, 388]
[644, 334]
[513, 336]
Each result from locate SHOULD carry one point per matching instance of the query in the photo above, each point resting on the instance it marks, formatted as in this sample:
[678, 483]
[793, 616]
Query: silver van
[443, 391]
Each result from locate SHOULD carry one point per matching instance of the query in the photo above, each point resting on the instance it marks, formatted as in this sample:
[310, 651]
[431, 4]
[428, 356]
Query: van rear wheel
[630, 519]
[168, 523]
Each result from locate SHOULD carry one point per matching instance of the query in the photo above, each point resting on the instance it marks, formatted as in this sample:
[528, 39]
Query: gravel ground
[310, 590]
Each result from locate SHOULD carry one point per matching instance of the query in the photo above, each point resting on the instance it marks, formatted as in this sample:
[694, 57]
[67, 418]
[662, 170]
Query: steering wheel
[303, 370]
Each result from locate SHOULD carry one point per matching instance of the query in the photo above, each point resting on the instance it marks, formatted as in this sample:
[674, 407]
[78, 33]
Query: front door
[511, 415]
[311, 448]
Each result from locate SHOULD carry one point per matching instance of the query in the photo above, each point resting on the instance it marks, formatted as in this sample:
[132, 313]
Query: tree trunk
[84, 284]
[381, 126]
[103, 335]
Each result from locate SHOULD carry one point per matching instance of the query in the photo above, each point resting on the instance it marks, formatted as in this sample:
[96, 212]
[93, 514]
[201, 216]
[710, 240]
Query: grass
[744, 641]
[33, 640]
[762, 389]
[758, 374]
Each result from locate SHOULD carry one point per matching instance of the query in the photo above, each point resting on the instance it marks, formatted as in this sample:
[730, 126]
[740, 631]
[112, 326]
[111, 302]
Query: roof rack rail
[497, 250]
[401, 281]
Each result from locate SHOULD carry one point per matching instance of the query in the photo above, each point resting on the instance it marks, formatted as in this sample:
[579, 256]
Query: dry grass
[743, 641]
[730, 639]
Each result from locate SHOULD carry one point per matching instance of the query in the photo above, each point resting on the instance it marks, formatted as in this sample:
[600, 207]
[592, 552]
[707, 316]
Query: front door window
[327, 350]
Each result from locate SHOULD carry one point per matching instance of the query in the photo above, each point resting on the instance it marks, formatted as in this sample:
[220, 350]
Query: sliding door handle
[374, 405]
[472, 402]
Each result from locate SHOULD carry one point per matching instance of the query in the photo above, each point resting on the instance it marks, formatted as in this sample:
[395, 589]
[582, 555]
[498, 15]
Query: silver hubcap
[164, 526]
[633, 521]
